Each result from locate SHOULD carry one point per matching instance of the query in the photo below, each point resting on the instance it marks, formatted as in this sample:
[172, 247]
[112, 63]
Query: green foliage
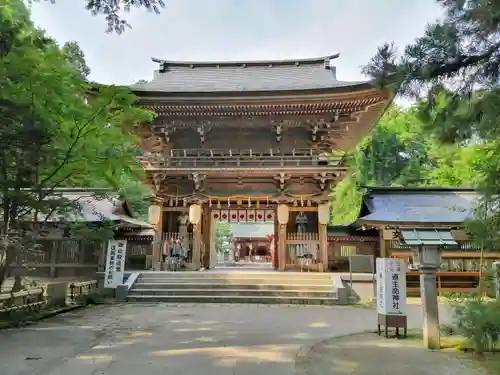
[478, 320]
[58, 130]
[400, 152]
[112, 10]
[455, 67]
[223, 237]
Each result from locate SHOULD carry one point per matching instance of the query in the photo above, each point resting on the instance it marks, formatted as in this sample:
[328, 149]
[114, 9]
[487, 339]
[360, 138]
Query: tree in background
[455, 66]
[112, 10]
[57, 130]
[223, 237]
[401, 152]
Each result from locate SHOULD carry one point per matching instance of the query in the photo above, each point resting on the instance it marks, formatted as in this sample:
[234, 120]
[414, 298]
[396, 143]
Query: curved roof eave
[355, 87]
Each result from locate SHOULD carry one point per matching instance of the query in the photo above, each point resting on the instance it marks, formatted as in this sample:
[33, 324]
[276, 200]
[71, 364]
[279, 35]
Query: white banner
[115, 263]
[391, 286]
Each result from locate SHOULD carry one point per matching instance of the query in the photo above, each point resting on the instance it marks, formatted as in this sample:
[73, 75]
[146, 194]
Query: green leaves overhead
[454, 71]
[58, 130]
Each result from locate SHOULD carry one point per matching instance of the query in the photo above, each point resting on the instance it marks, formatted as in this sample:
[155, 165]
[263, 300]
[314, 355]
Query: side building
[408, 218]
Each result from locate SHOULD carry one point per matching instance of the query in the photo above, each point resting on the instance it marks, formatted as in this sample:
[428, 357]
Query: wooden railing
[302, 251]
[174, 236]
[64, 251]
[461, 246]
[302, 237]
[446, 282]
[247, 158]
[24, 301]
[82, 288]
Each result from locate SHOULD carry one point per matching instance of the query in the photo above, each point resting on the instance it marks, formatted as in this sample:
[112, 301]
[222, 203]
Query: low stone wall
[363, 287]
[53, 295]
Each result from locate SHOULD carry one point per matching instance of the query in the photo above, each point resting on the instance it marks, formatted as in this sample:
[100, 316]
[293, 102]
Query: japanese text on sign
[391, 286]
[115, 263]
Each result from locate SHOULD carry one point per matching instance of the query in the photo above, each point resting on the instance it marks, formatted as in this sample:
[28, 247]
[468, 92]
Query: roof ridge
[242, 63]
[418, 189]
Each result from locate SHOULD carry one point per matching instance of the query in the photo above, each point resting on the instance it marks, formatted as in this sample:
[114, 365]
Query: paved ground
[181, 339]
[368, 354]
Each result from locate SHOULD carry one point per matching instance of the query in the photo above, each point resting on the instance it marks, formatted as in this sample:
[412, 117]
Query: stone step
[232, 292]
[232, 299]
[245, 280]
[235, 275]
[219, 285]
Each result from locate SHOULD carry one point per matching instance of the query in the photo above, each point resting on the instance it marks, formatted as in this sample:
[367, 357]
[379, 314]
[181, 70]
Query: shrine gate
[257, 141]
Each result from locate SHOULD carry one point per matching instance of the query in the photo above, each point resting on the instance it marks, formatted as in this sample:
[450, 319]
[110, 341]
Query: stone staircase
[235, 287]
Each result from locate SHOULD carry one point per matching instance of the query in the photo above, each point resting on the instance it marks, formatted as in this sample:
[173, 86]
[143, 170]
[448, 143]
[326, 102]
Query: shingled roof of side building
[94, 206]
[425, 205]
[247, 76]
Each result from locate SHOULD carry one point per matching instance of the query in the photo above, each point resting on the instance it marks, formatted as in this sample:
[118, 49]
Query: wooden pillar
[212, 235]
[207, 261]
[196, 259]
[156, 220]
[53, 257]
[323, 247]
[282, 223]
[281, 247]
[275, 242]
[383, 249]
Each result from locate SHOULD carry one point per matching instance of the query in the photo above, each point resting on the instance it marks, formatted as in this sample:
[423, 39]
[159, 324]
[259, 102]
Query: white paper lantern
[154, 214]
[195, 214]
[283, 214]
[323, 213]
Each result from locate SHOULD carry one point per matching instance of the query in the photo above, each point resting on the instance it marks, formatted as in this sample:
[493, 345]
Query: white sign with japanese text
[115, 263]
[391, 286]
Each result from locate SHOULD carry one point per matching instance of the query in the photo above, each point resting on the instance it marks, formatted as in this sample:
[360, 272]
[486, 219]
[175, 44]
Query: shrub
[478, 320]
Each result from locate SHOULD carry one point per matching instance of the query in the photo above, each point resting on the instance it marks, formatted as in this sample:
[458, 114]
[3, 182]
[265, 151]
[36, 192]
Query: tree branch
[73, 144]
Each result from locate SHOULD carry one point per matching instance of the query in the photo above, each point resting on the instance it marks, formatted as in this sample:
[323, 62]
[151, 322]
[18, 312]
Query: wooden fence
[60, 257]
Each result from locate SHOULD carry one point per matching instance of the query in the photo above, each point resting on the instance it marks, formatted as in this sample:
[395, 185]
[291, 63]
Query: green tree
[57, 131]
[223, 237]
[112, 10]
[455, 66]
[401, 152]
[76, 57]
[393, 154]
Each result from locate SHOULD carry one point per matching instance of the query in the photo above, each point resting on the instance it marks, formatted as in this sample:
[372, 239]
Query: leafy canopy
[455, 68]
[58, 130]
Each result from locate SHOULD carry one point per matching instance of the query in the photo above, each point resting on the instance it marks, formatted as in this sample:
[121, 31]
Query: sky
[221, 30]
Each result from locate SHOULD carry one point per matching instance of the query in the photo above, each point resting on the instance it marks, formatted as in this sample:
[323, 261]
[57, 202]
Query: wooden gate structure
[242, 138]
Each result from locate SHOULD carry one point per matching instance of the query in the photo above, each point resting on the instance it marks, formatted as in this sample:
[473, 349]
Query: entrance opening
[244, 244]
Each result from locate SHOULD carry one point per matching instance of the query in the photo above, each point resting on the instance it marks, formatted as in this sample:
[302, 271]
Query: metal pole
[374, 276]
[350, 272]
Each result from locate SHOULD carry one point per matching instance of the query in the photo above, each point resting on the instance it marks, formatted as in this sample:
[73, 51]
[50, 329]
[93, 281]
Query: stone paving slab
[190, 339]
[369, 354]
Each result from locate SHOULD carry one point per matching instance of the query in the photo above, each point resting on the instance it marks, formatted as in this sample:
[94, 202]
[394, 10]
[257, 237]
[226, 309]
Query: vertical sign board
[391, 286]
[115, 263]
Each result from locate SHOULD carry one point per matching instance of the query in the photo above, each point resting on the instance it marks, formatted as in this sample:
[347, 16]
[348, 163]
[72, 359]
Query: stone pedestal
[430, 307]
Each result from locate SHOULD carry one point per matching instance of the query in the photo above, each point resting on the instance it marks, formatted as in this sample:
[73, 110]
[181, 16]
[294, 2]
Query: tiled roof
[96, 206]
[191, 77]
[251, 230]
[419, 205]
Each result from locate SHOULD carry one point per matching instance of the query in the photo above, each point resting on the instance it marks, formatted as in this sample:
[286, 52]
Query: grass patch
[464, 348]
